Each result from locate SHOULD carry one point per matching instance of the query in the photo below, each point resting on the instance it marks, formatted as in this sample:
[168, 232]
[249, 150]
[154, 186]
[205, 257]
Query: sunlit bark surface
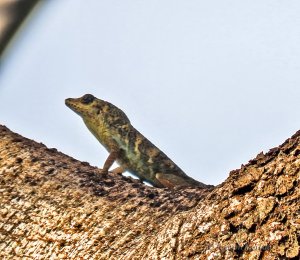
[55, 207]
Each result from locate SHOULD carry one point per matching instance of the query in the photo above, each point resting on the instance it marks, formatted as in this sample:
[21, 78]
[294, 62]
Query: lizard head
[83, 106]
[90, 108]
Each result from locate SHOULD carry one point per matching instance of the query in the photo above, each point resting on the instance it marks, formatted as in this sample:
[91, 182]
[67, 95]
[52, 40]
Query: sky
[211, 83]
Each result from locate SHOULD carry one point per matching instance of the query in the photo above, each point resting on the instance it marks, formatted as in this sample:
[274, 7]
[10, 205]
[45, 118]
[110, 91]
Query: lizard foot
[118, 170]
[104, 172]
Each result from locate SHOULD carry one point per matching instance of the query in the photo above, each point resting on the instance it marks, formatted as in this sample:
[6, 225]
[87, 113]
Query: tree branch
[53, 206]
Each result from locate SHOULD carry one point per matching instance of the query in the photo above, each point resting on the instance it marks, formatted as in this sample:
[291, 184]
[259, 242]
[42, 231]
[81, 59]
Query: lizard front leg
[109, 161]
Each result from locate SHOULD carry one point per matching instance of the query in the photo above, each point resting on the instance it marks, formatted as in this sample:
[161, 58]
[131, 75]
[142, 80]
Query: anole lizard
[126, 145]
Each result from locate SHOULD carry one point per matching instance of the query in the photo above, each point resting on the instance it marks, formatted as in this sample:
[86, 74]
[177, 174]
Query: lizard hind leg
[165, 180]
[118, 170]
[170, 180]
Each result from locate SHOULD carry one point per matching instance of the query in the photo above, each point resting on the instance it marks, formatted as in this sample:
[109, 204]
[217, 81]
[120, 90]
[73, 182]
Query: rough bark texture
[53, 206]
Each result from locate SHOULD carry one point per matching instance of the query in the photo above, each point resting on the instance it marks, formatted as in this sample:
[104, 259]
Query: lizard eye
[87, 99]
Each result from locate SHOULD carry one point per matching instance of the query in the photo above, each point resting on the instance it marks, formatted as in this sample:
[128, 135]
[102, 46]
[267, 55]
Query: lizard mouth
[71, 103]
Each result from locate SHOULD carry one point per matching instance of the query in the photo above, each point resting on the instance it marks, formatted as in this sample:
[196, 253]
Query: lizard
[127, 146]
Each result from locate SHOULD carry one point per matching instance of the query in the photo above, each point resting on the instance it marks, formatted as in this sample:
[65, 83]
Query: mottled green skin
[136, 153]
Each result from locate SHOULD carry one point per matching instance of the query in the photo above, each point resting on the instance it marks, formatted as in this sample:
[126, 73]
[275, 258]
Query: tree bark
[55, 207]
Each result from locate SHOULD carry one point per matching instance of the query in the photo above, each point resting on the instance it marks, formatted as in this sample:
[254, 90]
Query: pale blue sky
[212, 83]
